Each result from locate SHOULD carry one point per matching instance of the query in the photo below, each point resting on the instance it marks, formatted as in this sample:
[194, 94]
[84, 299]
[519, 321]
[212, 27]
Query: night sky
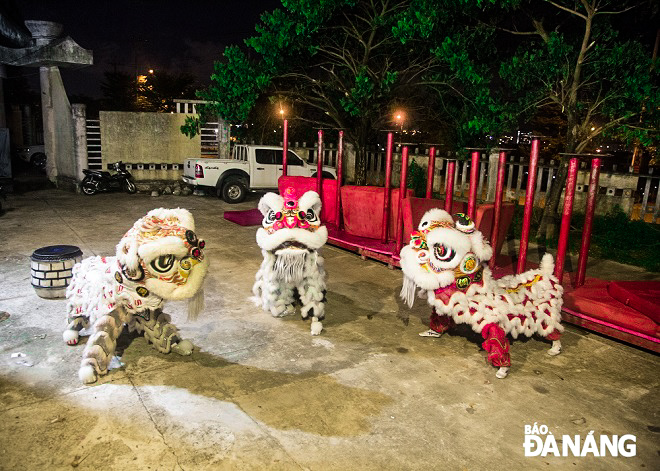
[135, 35]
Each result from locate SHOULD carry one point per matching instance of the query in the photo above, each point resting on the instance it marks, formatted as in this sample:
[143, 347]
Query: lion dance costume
[160, 258]
[292, 269]
[446, 260]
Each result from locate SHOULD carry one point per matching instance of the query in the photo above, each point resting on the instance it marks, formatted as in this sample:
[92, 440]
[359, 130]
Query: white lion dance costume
[446, 259]
[160, 258]
[292, 269]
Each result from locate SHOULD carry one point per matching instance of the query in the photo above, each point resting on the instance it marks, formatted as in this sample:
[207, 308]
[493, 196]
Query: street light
[399, 116]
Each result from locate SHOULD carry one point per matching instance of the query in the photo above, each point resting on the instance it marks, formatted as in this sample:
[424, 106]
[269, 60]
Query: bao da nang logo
[539, 441]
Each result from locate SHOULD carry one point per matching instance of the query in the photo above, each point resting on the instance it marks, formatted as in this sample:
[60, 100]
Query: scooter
[96, 181]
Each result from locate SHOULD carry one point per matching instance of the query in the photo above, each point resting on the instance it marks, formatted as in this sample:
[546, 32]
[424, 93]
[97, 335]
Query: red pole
[529, 204]
[588, 222]
[285, 146]
[474, 183]
[388, 183]
[340, 151]
[319, 165]
[431, 174]
[449, 185]
[497, 213]
[569, 196]
[402, 195]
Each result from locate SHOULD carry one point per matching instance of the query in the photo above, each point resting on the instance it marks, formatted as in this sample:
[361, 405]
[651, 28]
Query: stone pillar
[58, 129]
[223, 139]
[493, 161]
[349, 163]
[49, 115]
[80, 138]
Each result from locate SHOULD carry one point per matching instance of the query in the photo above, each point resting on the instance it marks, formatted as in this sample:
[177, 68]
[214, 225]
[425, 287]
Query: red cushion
[362, 209]
[484, 222]
[640, 295]
[304, 184]
[593, 300]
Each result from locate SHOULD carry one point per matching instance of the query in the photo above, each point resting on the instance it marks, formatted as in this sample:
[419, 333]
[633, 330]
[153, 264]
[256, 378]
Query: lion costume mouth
[291, 244]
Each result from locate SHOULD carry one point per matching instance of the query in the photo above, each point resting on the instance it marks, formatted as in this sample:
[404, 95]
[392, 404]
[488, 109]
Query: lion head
[444, 250]
[161, 255]
[291, 229]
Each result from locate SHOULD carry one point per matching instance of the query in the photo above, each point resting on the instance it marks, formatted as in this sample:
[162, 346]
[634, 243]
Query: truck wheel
[326, 175]
[234, 191]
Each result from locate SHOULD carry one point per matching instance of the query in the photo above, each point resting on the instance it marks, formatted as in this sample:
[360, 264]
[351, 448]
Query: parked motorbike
[96, 180]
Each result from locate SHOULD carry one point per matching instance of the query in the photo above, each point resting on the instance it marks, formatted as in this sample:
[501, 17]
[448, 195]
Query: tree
[161, 88]
[119, 91]
[573, 58]
[336, 61]
[154, 92]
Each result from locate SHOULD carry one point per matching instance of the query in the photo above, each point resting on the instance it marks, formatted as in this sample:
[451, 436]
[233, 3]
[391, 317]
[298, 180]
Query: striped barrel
[51, 269]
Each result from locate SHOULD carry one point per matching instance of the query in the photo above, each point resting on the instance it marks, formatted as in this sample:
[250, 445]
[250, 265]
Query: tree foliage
[161, 88]
[337, 63]
[154, 92]
[119, 91]
[574, 59]
[472, 68]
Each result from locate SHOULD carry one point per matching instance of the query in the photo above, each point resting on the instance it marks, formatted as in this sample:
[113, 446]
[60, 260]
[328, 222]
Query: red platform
[594, 307]
[625, 310]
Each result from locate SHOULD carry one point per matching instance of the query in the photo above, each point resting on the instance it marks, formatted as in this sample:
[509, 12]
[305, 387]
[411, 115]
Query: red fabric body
[496, 344]
[304, 184]
[362, 208]
[414, 209]
[445, 294]
[643, 296]
[440, 324]
[593, 299]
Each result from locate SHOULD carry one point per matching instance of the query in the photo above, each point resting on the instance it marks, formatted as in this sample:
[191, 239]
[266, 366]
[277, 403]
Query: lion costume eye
[464, 223]
[271, 217]
[442, 253]
[163, 263]
[312, 218]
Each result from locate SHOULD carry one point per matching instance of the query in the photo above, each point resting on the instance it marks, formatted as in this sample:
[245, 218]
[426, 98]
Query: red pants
[440, 324]
[496, 344]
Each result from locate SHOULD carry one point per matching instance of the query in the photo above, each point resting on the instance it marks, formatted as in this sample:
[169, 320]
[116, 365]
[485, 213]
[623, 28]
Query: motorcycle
[96, 180]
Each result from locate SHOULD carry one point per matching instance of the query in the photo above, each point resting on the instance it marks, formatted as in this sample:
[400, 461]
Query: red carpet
[248, 217]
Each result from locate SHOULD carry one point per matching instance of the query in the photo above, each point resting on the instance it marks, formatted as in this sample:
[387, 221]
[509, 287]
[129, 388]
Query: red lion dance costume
[446, 260]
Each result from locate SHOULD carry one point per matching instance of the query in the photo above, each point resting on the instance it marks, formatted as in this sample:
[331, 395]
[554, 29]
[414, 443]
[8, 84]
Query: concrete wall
[150, 142]
[61, 165]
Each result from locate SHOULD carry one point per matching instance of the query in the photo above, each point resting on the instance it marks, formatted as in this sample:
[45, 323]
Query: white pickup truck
[252, 167]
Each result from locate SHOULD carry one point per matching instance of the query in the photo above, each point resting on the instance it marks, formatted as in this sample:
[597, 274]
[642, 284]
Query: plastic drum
[51, 269]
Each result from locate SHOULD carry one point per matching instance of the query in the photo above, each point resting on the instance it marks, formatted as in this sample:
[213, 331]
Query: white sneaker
[430, 333]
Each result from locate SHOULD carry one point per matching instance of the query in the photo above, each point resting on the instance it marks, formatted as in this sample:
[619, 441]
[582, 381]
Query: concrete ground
[262, 393]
